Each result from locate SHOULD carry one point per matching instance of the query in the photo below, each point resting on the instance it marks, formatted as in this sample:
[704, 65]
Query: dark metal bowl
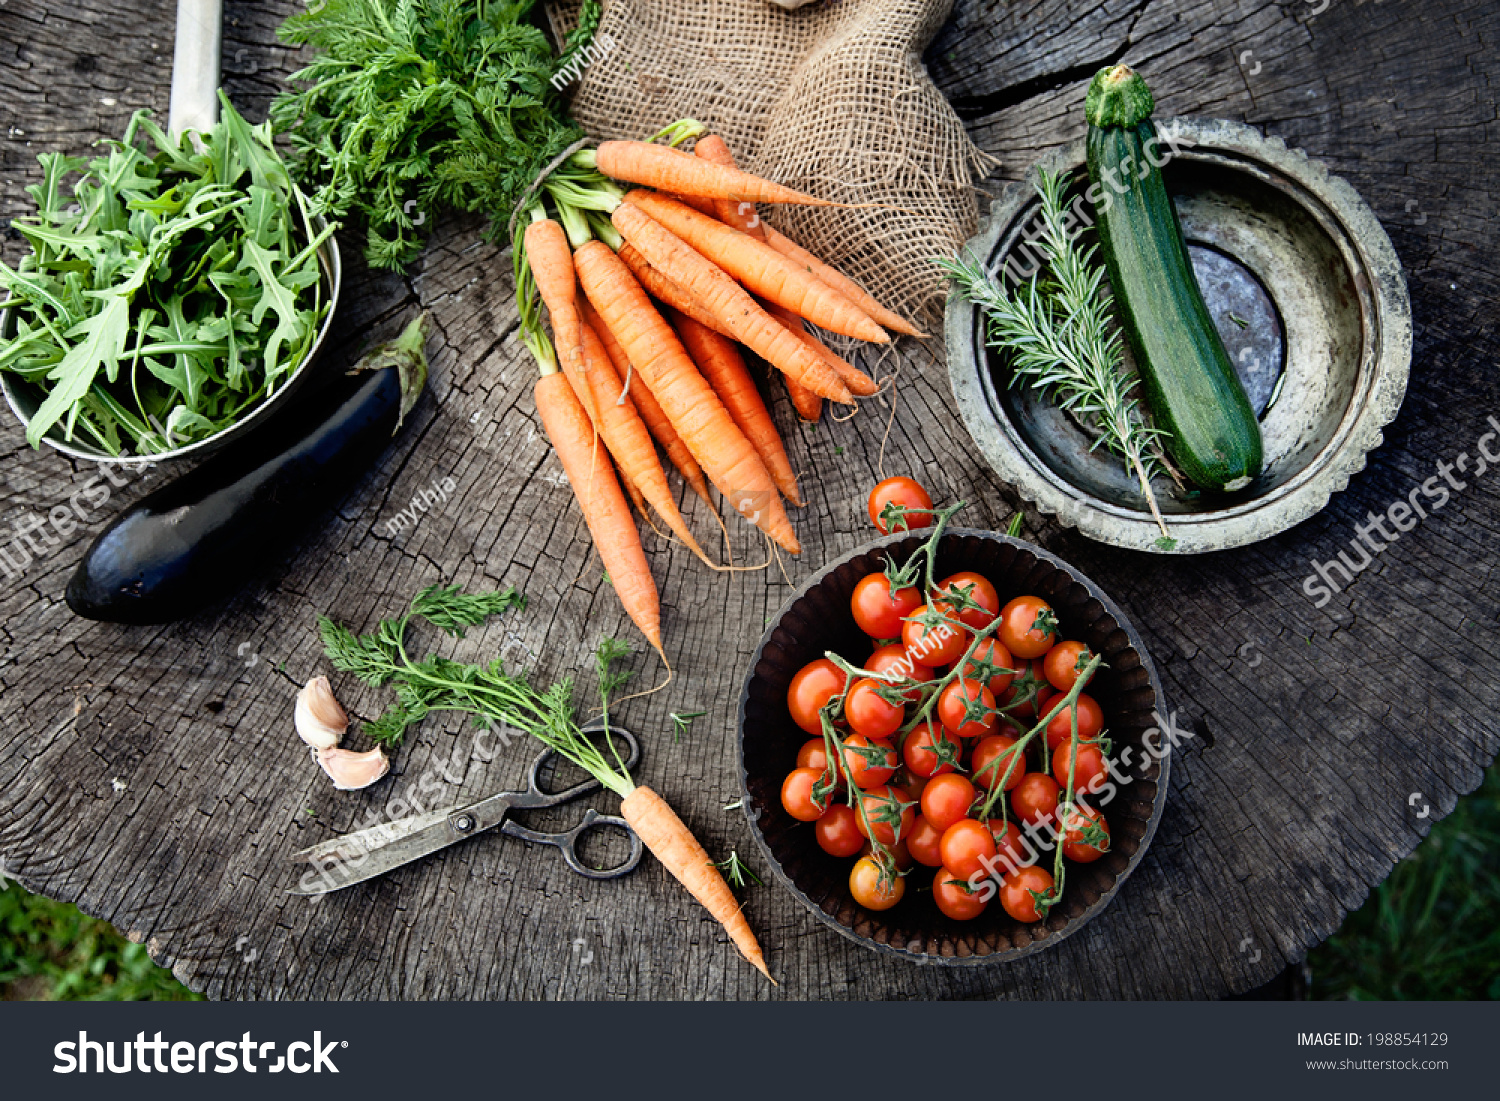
[817, 619]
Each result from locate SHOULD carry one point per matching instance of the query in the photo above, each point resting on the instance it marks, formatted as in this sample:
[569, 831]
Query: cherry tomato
[1010, 851]
[892, 658]
[930, 750]
[1016, 892]
[1028, 627]
[984, 664]
[865, 886]
[967, 709]
[1064, 662]
[946, 799]
[870, 761]
[988, 749]
[813, 754]
[955, 897]
[909, 788]
[1090, 721]
[899, 851]
[965, 847]
[1074, 846]
[923, 842]
[1035, 797]
[877, 610]
[869, 712]
[905, 493]
[838, 832]
[1087, 769]
[932, 641]
[814, 684]
[797, 796]
[958, 596]
[880, 807]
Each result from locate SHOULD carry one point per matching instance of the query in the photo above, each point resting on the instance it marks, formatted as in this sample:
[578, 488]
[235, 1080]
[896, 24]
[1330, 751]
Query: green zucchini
[1192, 388]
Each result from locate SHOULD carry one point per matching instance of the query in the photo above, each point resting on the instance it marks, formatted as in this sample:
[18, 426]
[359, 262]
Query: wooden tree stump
[152, 775]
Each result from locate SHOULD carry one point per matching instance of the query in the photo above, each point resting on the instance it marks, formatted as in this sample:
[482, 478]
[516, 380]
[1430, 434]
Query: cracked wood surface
[152, 776]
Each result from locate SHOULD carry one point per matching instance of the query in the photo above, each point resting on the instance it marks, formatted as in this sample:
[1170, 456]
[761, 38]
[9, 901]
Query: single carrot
[574, 374]
[728, 301]
[744, 217]
[741, 215]
[604, 507]
[628, 440]
[857, 381]
[727, 457]
[551, 262]
[808, 405]
[671, 842]
[760, 268]
[646, 404]
[724, 367]
[841, 282]
[698, 203]
[672, 170]
[660, 287]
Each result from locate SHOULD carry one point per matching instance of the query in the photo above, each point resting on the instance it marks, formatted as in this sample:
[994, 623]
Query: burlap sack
[832, 98]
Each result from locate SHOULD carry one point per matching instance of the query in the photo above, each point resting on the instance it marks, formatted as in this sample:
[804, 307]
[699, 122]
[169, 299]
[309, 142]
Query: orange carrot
[551, 263]
[604, 507]
[761, 268]
[627, 439]
[721, 363]
[585, 398]
[727, 457]
[646, 404]
[659, 286]
[698, 203]
[744, 217]
[728, 301]
[857, 381]
[840, 282]
[808, 405]
[741, 215]
[672, 170]
[671, 842]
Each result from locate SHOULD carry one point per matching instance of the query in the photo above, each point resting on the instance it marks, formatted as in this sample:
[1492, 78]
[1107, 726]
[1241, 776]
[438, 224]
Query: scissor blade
[346, 867]
[351, 846]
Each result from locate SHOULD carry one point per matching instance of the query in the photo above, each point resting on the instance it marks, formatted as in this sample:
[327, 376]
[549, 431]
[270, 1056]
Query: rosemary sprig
[1061, 339]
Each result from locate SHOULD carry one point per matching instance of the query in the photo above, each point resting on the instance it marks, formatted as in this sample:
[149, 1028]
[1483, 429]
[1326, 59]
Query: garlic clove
[321, 722]
[351, 771]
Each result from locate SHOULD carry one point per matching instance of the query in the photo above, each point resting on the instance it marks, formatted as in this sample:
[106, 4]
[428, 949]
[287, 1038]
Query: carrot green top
[1118, 97]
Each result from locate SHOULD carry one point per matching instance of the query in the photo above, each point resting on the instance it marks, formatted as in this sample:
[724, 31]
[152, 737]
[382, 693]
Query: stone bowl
[1306, 292]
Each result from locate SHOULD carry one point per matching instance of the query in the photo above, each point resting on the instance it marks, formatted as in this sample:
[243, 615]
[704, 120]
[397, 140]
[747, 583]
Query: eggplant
[205, 535]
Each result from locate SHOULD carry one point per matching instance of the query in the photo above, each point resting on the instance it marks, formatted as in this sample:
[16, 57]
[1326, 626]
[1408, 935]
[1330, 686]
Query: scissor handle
[566, 842]
[536, 796]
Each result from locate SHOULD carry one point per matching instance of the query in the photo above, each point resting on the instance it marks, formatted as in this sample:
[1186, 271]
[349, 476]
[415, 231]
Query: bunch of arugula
[413, 106]
[172, 289]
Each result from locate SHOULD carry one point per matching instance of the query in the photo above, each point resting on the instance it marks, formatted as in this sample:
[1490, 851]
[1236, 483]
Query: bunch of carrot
[676, 274]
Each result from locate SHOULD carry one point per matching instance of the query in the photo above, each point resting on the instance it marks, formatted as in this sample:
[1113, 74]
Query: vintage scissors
[356, 857]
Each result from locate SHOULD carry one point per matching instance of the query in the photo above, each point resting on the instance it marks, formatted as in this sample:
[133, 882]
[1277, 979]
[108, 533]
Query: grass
[50, 951]
[1430, 931]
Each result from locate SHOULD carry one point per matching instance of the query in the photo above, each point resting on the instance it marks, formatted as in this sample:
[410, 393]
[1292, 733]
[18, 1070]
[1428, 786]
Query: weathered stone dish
[1309, 297]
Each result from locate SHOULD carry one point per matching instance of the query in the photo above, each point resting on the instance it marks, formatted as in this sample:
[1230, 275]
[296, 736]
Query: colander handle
[195, 66]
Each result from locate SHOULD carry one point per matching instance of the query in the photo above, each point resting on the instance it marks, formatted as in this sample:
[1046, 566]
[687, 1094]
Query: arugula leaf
[167, 292]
